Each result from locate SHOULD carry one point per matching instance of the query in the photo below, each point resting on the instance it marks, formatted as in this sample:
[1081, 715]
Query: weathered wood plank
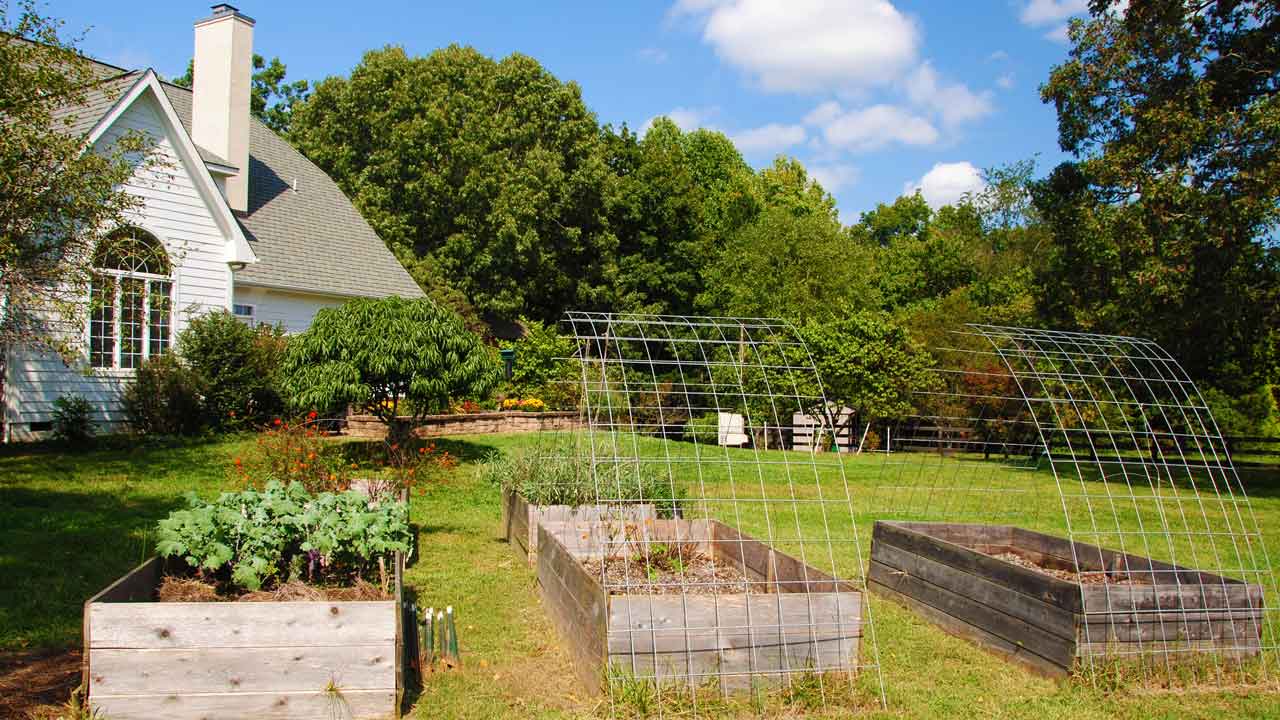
[762, 562]
[240, 670]
[241, 624]
[577, 606]
[669, 623]
[1124, 598]
[350, 705]
[1047, 616]
[911, 537]
[977, 635]
[739, 666]
[139, 585]
[1011, 629]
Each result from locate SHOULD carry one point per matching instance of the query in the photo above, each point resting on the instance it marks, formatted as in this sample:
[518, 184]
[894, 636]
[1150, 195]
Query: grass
[73, 522]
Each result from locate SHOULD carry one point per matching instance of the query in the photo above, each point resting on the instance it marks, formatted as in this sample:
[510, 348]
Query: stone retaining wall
[369, 426]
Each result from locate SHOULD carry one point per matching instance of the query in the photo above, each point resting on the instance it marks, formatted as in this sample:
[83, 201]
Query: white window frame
[117, 278]
[251, 319]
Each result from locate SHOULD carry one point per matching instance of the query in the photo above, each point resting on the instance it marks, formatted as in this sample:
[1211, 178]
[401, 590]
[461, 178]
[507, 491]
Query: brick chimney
[220, 104]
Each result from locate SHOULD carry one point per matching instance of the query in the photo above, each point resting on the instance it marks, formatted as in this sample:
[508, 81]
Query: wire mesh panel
[707, 556]
[1104, 443]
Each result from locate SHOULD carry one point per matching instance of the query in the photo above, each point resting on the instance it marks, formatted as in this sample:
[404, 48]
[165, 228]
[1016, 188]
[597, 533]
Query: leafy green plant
[542, 367]
[254, 537]
[560, 477]
[164, 398]
[237, 366]
[72, 420]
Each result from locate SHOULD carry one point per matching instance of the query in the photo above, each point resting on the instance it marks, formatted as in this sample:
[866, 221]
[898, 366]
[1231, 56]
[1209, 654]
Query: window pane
[131, 319]
[102, 344]
[161, 316]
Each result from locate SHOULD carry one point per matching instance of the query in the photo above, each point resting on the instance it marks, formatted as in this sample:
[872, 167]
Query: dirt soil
[1118, 577]
[702, 576]
[183, 589]
[36, 684]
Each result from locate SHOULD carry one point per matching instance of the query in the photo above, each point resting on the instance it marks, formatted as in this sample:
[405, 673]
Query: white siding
[293, 310]
[176, 213]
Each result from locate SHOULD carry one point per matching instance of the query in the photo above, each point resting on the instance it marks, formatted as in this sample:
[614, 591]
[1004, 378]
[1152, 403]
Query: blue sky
[873, 96]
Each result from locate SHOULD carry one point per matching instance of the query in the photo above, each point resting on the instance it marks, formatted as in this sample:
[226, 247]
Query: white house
[235, 219]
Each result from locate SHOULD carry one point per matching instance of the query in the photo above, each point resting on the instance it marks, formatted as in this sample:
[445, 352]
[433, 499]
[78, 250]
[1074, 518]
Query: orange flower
[278, 422]
[312, 415]
[422, 451]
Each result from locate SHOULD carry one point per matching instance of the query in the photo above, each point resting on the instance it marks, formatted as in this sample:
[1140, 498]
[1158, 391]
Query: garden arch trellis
[704, 405]
[1138, 466]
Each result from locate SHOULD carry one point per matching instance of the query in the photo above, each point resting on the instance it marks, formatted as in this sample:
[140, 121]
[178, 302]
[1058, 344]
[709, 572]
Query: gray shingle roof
[309, 239]
[98, 101]
[307, 234]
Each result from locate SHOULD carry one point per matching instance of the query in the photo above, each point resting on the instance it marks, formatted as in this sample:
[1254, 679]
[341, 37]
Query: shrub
[237, 366]
[560, 477]
[542, 367]
[704, 429]
[254, 537]
[294, 452]
[164, 398]
[72, 420]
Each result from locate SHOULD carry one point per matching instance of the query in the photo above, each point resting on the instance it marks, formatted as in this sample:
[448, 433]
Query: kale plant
[259, 536]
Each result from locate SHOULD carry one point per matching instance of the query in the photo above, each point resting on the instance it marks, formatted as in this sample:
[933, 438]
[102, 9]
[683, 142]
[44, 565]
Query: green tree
[1166, 224]
[57, 200]
[271, 99]
[494, 168]
[679, 198]
[789, 265]
[786, 184]
[869, 363]
[376, 354]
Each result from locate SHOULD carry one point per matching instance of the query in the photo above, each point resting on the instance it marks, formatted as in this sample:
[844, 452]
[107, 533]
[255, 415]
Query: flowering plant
[292, 451]
[525, 404]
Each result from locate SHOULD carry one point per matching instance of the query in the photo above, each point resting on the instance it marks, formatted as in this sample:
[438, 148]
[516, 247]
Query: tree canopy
[57, 199]
[377, 354]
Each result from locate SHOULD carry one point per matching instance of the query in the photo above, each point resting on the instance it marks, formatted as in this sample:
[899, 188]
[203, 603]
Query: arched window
[131, 308]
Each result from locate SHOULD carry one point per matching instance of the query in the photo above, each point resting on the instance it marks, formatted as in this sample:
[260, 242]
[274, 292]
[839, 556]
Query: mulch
[36, 684]
[702, 576]
[1118, 577]
[184, 589]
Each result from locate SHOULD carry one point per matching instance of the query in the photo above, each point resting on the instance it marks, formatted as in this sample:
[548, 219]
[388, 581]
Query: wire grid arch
[1105, 440]
[730, 561]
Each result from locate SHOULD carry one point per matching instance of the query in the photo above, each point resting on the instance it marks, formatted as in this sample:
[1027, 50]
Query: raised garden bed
[1021, 594]
[520, 520]
[794, 619]
[206, 660]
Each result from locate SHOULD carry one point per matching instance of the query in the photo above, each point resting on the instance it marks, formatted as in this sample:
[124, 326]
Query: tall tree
[58, 199]
[1167, 222]
[494, 168]
[271, 99]
[680, 196]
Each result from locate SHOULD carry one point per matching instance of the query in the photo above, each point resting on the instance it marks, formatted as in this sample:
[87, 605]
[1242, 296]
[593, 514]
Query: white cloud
[946, 183]
[657, 56]
[685, 118]
[873, 127]
[1005, 81]
[774, 136]
[954, 103]
[808, 45]
[998, 56]
[823, 114]
[1048, 12]
[1059, 34]
[833, 178]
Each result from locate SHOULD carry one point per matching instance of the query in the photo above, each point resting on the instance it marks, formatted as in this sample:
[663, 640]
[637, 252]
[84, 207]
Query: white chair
[732, 430]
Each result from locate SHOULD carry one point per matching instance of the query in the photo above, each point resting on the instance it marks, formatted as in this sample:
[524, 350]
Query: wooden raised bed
[520, 520]
[947, 573]
[212, 660]
[805, 622]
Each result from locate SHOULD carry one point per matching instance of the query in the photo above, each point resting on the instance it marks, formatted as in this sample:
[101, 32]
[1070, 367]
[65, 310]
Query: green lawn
[74, 522]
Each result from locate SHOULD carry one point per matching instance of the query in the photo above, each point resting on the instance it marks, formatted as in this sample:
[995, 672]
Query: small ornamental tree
[377, 354]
